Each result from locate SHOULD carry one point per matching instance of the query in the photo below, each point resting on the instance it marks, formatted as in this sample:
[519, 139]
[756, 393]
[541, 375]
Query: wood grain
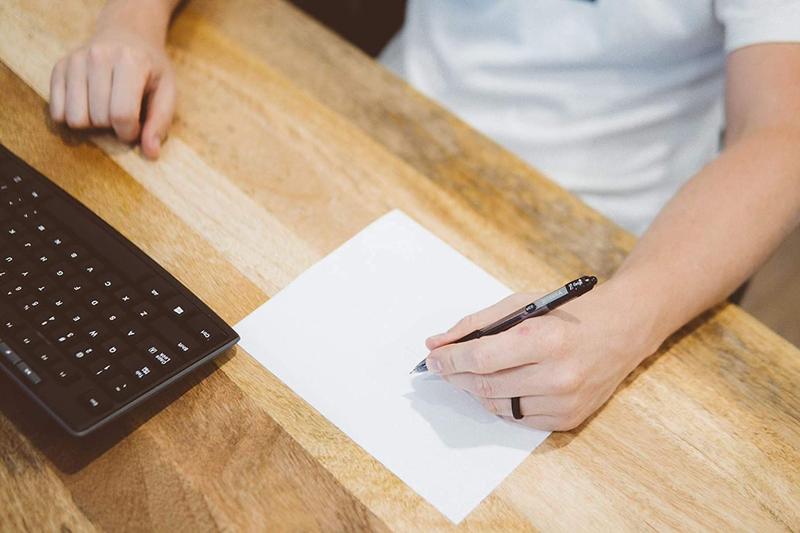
[287, 142]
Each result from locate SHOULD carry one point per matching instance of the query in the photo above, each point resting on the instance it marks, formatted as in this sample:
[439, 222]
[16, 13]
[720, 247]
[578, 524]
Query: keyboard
[90, 326]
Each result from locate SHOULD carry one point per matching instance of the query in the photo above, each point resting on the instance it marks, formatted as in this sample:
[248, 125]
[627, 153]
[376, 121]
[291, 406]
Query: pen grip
[503, 324]
[494, 329]
[477, 334]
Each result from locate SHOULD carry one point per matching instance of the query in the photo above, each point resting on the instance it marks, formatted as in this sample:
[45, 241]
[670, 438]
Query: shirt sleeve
[749, 22]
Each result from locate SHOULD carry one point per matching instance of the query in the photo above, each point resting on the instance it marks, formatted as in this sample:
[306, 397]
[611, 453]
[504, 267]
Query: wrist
[641, 310]
[145, 19]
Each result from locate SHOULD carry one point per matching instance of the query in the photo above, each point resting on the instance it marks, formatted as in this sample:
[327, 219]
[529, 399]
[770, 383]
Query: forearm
[147, 18]
[716, 231]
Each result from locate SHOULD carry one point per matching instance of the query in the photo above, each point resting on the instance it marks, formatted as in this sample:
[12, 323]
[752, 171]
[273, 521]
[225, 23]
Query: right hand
[103, 84]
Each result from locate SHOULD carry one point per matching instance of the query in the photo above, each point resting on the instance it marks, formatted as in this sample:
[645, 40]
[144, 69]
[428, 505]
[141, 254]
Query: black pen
[543, 305]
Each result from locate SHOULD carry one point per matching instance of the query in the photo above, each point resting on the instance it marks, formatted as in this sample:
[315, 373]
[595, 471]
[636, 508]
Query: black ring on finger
[515, 409]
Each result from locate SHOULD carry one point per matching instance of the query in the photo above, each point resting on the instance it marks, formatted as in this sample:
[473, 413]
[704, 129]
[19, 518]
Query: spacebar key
[105, 245]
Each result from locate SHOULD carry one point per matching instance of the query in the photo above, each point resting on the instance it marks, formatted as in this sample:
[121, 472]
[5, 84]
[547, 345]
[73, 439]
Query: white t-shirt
[620, 101]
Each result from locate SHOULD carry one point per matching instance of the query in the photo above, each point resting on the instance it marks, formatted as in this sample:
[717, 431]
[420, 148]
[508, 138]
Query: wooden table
[287, 142]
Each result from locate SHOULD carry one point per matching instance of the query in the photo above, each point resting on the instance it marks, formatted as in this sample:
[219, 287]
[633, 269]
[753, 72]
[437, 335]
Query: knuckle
[75, 60]
[568, 380]
[126, 53]
[131, 55]
[98, 53]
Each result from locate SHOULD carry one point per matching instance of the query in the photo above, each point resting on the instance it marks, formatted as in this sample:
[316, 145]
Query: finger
[58, 90]
[127, 90]
[76, 110]
[529, 342]
[531, 405]
[99, 69]
[541, 422]
[529, 380]
[477, 320]
[160, 109]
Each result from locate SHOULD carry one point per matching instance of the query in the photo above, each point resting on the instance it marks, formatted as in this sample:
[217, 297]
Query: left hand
[563, 365]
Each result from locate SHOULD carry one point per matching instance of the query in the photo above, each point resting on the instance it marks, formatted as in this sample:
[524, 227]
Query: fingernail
[434, 366]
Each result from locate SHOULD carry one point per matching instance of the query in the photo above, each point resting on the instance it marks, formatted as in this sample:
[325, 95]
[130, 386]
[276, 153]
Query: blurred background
[774, 293]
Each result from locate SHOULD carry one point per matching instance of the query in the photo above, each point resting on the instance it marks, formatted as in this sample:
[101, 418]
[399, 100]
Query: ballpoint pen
[543, 305]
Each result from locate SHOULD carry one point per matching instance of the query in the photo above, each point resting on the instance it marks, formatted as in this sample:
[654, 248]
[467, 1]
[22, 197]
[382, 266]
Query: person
[621, 101]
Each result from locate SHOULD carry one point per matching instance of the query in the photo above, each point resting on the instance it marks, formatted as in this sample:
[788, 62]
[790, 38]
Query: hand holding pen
[558, 367]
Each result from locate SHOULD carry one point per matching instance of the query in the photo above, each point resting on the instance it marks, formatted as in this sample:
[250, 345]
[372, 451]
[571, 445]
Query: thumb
[160, 109]
[482, 318]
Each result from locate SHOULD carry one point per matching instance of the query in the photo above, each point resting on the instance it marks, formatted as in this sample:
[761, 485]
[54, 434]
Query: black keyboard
[89, 325]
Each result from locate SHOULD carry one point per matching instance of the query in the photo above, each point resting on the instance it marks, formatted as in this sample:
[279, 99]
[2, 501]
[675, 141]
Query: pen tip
[421, 367]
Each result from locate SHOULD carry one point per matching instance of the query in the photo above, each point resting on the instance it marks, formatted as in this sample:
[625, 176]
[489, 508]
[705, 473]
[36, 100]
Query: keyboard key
[58, 299]
[144, 311]
[95, 300]
[95, 331]
[114, 348]
[110, 281]
[143, 372]
[13, 290]
[8, 325]
[65, 374]
[43, 225]
[121, 387]
[94, 401]
[163, 359]
[26, 337]
[77, 286]
[113, 315]
[178, 307]
[24, 270]
[91, 267]
[101, 368]
[58, 241]
[75, 316]
[130, 332]
[76, 254]
[43, 258]
[176, 337]
[29, 304]
[45, 321]
[126, 296]
[42, 285]
[63, 335]
[44, 355]
[157, 289]
[82, 352]
[203, 330]
[8, 354]
[62, 271]
[28, 372]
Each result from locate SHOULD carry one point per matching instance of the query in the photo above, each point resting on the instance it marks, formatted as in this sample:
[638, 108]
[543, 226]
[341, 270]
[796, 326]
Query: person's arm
[706, 241]
[104, 83]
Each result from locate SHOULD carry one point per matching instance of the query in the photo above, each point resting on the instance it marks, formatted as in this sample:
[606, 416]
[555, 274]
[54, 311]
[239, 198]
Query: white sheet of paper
[344, 336]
